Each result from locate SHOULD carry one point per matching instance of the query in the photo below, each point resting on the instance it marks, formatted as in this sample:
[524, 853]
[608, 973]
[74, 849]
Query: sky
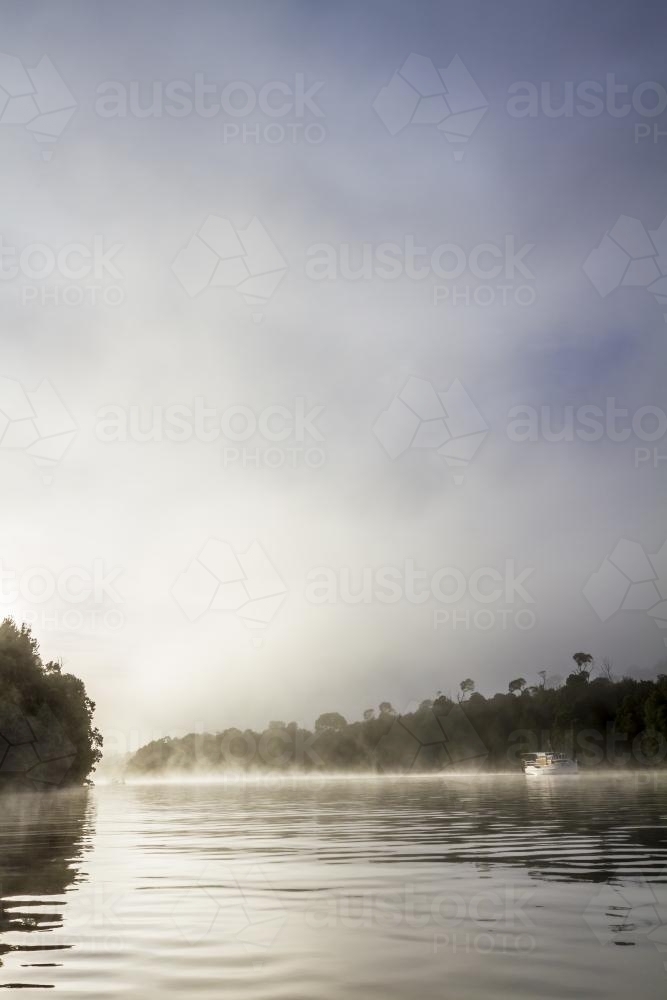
[332, 350]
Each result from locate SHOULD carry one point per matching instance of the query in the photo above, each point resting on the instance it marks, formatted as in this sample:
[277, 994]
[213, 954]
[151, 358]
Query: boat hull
[560, 770]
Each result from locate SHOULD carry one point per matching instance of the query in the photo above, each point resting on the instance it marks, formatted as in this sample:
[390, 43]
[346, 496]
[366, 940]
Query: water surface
[386, 888]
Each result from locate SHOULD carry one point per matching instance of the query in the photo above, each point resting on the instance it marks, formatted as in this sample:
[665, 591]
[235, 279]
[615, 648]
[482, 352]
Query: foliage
[330, 720]
[467, 687]
[600, 721]
[47, 735]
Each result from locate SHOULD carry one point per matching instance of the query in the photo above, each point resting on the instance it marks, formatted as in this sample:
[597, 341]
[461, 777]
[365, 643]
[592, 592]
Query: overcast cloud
[513, 319]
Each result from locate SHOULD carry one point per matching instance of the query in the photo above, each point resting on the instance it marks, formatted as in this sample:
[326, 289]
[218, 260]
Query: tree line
[592, 716]
[47, 736]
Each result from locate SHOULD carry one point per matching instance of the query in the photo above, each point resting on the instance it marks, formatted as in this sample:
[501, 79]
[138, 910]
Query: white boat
[545, 764]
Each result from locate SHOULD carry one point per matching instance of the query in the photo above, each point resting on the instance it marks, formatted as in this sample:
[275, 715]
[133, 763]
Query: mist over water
[333, 464]
[392, 887]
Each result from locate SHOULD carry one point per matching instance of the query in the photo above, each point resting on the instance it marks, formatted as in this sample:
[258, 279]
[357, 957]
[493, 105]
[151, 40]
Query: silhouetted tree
[578, 718]
[467, 687]
[330, 720]
[607, 668]
[47, 737]
[583, 661]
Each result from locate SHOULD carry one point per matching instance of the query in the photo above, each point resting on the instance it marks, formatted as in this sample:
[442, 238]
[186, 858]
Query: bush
[47, 737]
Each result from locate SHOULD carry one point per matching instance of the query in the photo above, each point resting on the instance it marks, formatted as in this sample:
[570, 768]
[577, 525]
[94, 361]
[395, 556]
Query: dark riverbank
[47, 736]
[601, 721]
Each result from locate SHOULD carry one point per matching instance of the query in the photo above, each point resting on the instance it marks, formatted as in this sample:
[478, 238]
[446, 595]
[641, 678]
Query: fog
[170, 556]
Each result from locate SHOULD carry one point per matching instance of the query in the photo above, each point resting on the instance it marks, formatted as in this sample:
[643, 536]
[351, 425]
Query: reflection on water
[394, 888]
[42, 839]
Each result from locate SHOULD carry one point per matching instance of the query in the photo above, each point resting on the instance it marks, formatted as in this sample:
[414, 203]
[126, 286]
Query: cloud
[155, 184]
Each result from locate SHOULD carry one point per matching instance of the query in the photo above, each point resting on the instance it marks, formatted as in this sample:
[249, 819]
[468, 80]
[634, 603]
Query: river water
[377, 888]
